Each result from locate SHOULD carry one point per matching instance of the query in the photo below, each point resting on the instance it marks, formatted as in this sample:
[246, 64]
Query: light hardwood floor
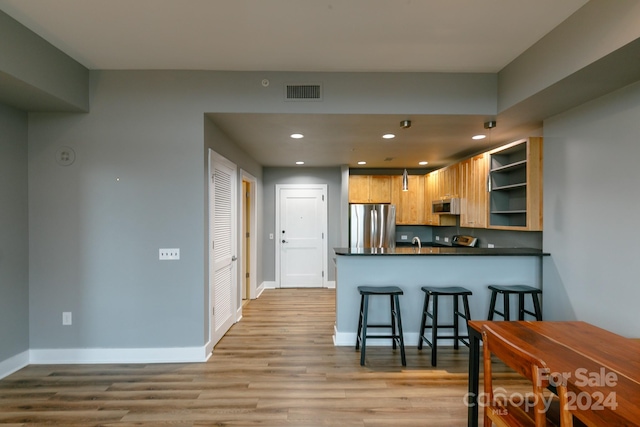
[277, 367]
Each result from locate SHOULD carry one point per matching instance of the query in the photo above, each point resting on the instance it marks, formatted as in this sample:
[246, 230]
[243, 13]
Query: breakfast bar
[411, 268]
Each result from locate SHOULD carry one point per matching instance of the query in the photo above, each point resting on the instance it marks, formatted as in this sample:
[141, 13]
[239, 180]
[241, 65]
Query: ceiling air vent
[303, 92]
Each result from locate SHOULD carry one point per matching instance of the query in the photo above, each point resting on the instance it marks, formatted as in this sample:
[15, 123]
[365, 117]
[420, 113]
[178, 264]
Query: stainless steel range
[462, 240]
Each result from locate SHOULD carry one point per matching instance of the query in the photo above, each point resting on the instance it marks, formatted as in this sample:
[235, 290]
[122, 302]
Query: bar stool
[455, 292]
[521, 291]
[396, 332]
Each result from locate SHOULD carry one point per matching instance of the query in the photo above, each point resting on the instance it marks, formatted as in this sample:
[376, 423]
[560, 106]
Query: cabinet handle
[489, 182]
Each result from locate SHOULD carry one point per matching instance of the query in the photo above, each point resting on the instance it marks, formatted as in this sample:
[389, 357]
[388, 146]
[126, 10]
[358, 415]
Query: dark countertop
[441, 250]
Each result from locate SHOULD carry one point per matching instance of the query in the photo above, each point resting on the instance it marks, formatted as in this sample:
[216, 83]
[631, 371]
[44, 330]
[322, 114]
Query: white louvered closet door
[223, 277]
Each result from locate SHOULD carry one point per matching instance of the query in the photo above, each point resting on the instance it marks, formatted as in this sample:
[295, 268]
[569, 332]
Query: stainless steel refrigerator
[372, 226]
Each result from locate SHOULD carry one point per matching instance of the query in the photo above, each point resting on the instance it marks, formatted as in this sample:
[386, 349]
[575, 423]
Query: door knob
[234, 258]
[284, 241]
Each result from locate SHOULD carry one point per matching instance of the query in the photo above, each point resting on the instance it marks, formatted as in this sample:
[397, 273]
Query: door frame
[253, 236]
[325, 244]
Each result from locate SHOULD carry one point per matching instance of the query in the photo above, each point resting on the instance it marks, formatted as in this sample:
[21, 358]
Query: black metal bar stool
[396, 321]
[455, 292]
[521, 291]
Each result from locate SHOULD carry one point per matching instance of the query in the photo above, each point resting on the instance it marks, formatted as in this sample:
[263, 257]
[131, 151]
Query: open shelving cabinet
[515, 186]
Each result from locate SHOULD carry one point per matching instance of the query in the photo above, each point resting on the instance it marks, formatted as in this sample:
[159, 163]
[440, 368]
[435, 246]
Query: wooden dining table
[601, 369]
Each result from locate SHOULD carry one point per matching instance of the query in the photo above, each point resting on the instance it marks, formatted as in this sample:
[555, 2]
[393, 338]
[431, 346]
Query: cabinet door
[359, 189]
[380, 189]
[409, 204]
[431, 193]
[448, 182]
[479, 190]
[473, 190]
[466, 194]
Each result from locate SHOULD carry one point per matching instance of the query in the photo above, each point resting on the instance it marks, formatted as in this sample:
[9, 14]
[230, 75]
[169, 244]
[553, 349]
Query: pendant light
[405, 181]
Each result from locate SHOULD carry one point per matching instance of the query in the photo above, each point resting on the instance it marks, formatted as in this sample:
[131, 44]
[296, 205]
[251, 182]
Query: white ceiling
[303, 35]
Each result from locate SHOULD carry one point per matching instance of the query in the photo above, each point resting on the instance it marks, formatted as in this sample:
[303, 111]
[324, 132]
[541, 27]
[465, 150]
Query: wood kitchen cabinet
[473, 191]
[409, 204]
[369, 189]
[433, 191]
[515, 186]
[448, 182]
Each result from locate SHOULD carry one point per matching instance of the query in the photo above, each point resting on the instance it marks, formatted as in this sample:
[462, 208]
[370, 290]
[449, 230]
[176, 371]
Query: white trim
[259, 290]
[325, 244]
[269, 285]
[208, 348]
[119, 355]
[330, 284]
[13, 364]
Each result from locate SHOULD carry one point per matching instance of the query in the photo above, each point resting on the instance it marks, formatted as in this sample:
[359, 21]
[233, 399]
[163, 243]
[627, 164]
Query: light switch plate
[169, 254]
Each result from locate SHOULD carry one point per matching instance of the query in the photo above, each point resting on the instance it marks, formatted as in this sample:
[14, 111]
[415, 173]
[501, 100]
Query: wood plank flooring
[276, 367]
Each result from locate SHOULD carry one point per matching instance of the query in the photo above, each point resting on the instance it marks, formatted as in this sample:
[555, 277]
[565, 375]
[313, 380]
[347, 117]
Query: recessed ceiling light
[423, 163]
[299, 163]
[297, 135]
[362, 163]
[388, 136]
[479, 137]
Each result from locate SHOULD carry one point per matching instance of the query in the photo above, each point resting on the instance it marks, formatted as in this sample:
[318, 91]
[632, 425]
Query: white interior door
[223, 277]
[302, 236]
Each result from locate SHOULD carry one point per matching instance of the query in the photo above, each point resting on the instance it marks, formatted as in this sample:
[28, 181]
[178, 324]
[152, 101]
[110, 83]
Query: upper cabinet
[473, 191]
[515, 186]
[409, 204]
[448, 182]
[433, 190]
[499, 189]
[369, 189]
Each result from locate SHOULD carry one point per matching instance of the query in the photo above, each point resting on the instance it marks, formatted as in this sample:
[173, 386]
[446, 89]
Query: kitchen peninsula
[411, 268]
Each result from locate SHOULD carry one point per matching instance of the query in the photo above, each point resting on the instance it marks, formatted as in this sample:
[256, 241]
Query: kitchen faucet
[417, 240]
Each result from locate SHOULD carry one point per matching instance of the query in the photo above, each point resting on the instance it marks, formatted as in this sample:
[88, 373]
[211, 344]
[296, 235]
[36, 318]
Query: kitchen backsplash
[498, 238]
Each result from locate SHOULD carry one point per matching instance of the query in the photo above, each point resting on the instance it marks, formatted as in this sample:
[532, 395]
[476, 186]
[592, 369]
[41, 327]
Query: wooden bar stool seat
[396, 319]
[452, 291]
[521, 291]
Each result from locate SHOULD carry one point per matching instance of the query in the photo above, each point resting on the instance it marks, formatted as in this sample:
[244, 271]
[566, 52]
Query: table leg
[474, 376]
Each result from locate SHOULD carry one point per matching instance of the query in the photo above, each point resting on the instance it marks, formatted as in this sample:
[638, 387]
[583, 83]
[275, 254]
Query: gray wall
[14, 234]
[272, 176]
[138, 185]
[592, 200]
[36, 76]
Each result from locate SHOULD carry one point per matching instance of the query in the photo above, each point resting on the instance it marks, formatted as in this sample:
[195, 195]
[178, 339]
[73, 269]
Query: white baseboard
[273, 285]
[13, 364]
[119, 355]
[259, 290]
[269, 285]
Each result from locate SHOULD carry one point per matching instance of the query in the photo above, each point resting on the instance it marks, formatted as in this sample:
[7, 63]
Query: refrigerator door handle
[374, 227]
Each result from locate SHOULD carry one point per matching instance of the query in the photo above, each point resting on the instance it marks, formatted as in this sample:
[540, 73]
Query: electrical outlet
[490, 245]
[404, 237]
[169, 254]
[446, 240]
[66, 318]
[437, 238]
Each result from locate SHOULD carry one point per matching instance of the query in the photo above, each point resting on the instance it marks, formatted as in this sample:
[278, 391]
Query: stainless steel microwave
[446, 206]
